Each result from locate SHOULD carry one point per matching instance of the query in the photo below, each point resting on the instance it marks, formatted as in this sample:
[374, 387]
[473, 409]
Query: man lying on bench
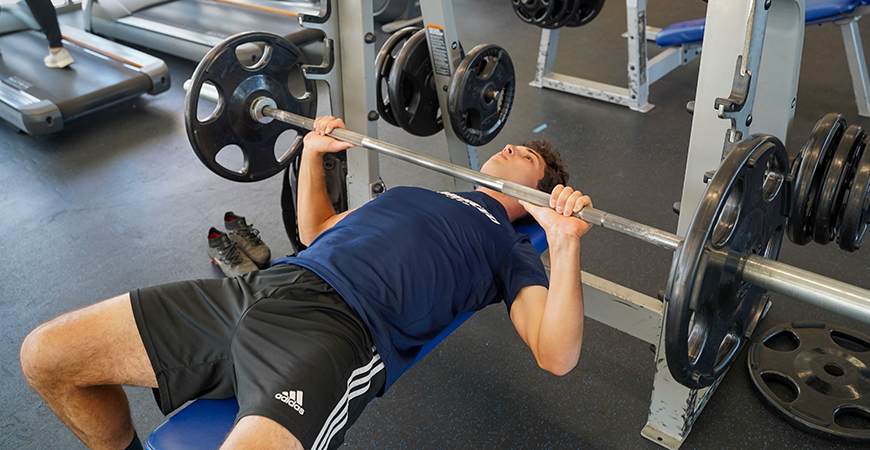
[305, 346]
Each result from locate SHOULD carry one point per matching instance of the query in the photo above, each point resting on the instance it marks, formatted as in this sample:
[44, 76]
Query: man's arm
[550, 321]
[315, 210]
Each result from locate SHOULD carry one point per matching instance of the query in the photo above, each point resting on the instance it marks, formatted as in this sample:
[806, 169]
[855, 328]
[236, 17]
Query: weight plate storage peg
[808, 173]
[711, 310]
[413, 98]
[276, 76]
[856, 209]
[829, 212]
[384, 63]
[481, 94]
[816, 376]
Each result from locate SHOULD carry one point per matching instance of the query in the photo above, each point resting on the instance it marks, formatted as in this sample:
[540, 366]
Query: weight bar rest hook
[809, 287]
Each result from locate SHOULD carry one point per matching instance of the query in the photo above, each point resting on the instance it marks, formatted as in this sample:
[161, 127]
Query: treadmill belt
[90, 82]
[222, 20]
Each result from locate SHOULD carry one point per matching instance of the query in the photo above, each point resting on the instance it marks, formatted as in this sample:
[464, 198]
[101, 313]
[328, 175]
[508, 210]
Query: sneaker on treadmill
[247, 238]
[225, 254]
[58, 59]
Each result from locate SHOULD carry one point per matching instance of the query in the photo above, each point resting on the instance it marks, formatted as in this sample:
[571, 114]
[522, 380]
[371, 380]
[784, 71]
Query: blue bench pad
[817, 11]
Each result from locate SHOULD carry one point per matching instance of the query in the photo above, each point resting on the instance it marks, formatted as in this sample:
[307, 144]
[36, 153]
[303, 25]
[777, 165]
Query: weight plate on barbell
[533, 11]
[856, 209]
[808, 172]
[817, 376]
[384, 64]
[588, 10]
[266, 148]
[481, 94]
[711, 312]
[829, 210]
[413, 97]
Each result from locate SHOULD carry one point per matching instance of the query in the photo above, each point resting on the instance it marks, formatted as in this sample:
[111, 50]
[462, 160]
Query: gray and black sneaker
[225, 254]
[247, 238]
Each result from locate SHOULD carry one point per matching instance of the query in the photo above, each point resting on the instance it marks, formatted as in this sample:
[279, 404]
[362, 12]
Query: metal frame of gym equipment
[354, 76]
[776, 33]
[642, 71]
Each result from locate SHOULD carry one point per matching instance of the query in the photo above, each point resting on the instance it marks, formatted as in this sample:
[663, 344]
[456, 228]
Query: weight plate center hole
[834, 370]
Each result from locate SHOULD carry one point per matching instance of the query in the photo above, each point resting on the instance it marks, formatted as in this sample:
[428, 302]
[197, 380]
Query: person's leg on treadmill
[45, 14]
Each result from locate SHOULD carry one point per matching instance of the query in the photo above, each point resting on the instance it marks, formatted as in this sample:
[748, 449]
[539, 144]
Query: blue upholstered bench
[203, 424]
[817, 11]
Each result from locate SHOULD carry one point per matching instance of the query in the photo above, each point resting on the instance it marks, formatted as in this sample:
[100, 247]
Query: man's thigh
[93, 346]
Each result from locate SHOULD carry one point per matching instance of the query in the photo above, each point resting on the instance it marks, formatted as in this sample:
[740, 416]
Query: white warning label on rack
[438, 47]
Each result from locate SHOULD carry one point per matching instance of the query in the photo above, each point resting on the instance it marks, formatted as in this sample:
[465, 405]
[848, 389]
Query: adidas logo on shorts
[293, 399]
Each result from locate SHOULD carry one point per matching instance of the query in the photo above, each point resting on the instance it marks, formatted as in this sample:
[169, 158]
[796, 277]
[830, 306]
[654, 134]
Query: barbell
[721, 273]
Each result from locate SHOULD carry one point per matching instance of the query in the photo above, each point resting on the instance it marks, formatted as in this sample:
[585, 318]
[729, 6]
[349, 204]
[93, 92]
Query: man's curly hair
[554, 172]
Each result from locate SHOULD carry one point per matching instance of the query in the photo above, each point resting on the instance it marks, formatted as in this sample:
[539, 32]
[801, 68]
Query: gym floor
[118, 200]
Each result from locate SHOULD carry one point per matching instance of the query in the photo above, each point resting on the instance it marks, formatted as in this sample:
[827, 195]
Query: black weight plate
[856, 210]
[238, 85]
[384, 63]
[588, 10]
[808, 172]
[533, 11]
[560, 14]
[481, 94]
[829, 208]
[816, 376]
[413, 98]
[711, 311]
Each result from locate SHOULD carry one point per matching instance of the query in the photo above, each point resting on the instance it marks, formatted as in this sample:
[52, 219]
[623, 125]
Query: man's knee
[37, 361]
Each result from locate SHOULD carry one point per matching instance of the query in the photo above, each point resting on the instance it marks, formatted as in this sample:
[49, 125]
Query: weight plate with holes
[856, 209]
[277, 75]
[711, 312]
[384, 63]
[808, 172]
[413, 98]
[588, 10]
[481, 94]
[829, 212]
[816, 376]
[560, 14]
[534, 11]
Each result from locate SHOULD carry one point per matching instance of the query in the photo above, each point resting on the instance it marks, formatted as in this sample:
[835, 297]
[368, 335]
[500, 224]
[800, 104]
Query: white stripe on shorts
[361, 378]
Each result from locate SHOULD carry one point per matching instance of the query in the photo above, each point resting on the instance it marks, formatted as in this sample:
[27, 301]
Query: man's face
[518, 164]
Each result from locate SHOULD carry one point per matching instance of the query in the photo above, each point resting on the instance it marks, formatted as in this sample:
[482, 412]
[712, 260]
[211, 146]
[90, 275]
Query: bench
[843, 13]
[204, 423]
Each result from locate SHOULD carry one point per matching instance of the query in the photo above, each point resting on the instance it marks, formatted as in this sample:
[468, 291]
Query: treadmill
[39, 100]
[190, 28]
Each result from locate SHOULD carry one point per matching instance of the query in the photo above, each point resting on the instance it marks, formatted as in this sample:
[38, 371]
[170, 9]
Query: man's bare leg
[260, 433]
[77, 364]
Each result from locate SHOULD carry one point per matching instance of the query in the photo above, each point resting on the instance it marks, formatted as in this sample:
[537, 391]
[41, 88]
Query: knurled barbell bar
[721, 272]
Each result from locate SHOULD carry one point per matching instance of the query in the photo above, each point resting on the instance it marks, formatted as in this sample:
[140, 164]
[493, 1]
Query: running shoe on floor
[225, 254]
[247, 238]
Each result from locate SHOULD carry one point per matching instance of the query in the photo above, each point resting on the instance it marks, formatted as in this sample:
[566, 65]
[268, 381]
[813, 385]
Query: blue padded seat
[817, 11]
[204, 423]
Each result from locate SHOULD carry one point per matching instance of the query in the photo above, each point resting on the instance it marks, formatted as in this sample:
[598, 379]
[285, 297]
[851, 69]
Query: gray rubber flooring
[118, 200]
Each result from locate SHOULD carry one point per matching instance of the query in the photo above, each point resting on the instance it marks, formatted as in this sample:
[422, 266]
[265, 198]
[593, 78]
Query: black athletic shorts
[281, 340]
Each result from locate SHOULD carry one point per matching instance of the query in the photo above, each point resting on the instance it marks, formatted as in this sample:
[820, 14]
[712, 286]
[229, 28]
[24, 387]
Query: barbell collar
[773, 275]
